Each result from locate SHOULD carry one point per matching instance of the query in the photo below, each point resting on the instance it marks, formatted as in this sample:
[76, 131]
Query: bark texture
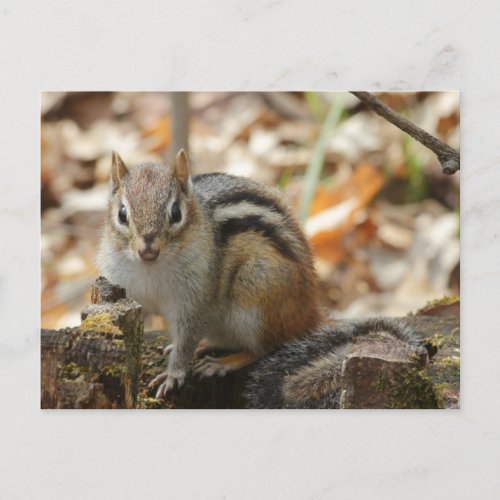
[108, 362]
[98, 364]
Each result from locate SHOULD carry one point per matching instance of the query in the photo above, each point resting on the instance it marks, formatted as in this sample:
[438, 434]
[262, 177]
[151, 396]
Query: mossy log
[383, 372]
[378, 373]
[108, 362]
[98, 364]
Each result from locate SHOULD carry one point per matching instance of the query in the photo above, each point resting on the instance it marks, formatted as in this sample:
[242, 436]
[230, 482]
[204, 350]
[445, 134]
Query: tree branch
[447, 156]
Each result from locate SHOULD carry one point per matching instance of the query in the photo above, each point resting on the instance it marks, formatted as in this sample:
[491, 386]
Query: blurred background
[382, 219]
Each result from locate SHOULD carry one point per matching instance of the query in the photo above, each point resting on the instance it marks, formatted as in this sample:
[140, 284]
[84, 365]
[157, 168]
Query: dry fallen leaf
[346, 204]
[158, 136]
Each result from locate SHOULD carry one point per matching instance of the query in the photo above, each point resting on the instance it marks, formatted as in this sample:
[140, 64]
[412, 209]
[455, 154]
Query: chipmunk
[220, 257]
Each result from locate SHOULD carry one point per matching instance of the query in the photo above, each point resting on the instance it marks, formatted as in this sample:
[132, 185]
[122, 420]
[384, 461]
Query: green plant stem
[315, 166]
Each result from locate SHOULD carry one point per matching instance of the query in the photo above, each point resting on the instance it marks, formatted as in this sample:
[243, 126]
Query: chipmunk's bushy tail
[306, 373]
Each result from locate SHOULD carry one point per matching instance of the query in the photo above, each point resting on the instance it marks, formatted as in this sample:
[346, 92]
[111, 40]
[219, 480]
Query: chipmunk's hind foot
[210, 366]
[203, 348]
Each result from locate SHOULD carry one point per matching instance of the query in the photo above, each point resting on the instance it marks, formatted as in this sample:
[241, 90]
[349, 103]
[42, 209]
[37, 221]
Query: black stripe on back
[255, 223]
[235, 197]
[211, 175]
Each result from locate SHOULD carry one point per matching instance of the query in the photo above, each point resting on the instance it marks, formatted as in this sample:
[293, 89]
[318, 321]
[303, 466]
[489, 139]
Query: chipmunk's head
[150, 205]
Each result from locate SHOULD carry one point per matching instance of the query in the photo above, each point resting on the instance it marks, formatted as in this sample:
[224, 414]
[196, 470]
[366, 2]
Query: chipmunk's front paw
[209, 367]
[167, 380]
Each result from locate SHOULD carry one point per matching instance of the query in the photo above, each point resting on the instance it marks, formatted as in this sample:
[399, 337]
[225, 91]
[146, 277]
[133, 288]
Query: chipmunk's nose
[149, 254]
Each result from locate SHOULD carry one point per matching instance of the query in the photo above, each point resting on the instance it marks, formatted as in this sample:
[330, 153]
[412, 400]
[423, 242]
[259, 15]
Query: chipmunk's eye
[122, 215]
[176, 214]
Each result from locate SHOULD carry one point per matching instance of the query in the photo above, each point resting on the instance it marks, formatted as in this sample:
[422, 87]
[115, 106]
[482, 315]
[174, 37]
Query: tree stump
[98, 364]
[383, 372]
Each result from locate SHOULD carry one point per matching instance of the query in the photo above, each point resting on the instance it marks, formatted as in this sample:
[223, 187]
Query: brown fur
[238, 360]
[284, 291]
[314, 380]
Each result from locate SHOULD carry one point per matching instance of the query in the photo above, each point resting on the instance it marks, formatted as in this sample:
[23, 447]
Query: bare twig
[447, 156]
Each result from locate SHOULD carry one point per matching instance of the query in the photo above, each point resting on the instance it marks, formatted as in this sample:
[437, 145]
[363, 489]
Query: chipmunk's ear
[118, 170]
[181, 167]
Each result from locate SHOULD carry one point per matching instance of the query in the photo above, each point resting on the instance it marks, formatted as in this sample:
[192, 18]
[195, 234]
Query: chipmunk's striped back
[238, 205]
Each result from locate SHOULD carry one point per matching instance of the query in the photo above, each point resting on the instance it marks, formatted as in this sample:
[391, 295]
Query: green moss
[114, 370]
[447, 370]
[444, 301]
[71, 371]
[159, 342]
[451, 364]
[101, 323]
[417, 391]
[436, 340]
[447, 300]
[439, 340]
[415, 359]
[147, 403]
